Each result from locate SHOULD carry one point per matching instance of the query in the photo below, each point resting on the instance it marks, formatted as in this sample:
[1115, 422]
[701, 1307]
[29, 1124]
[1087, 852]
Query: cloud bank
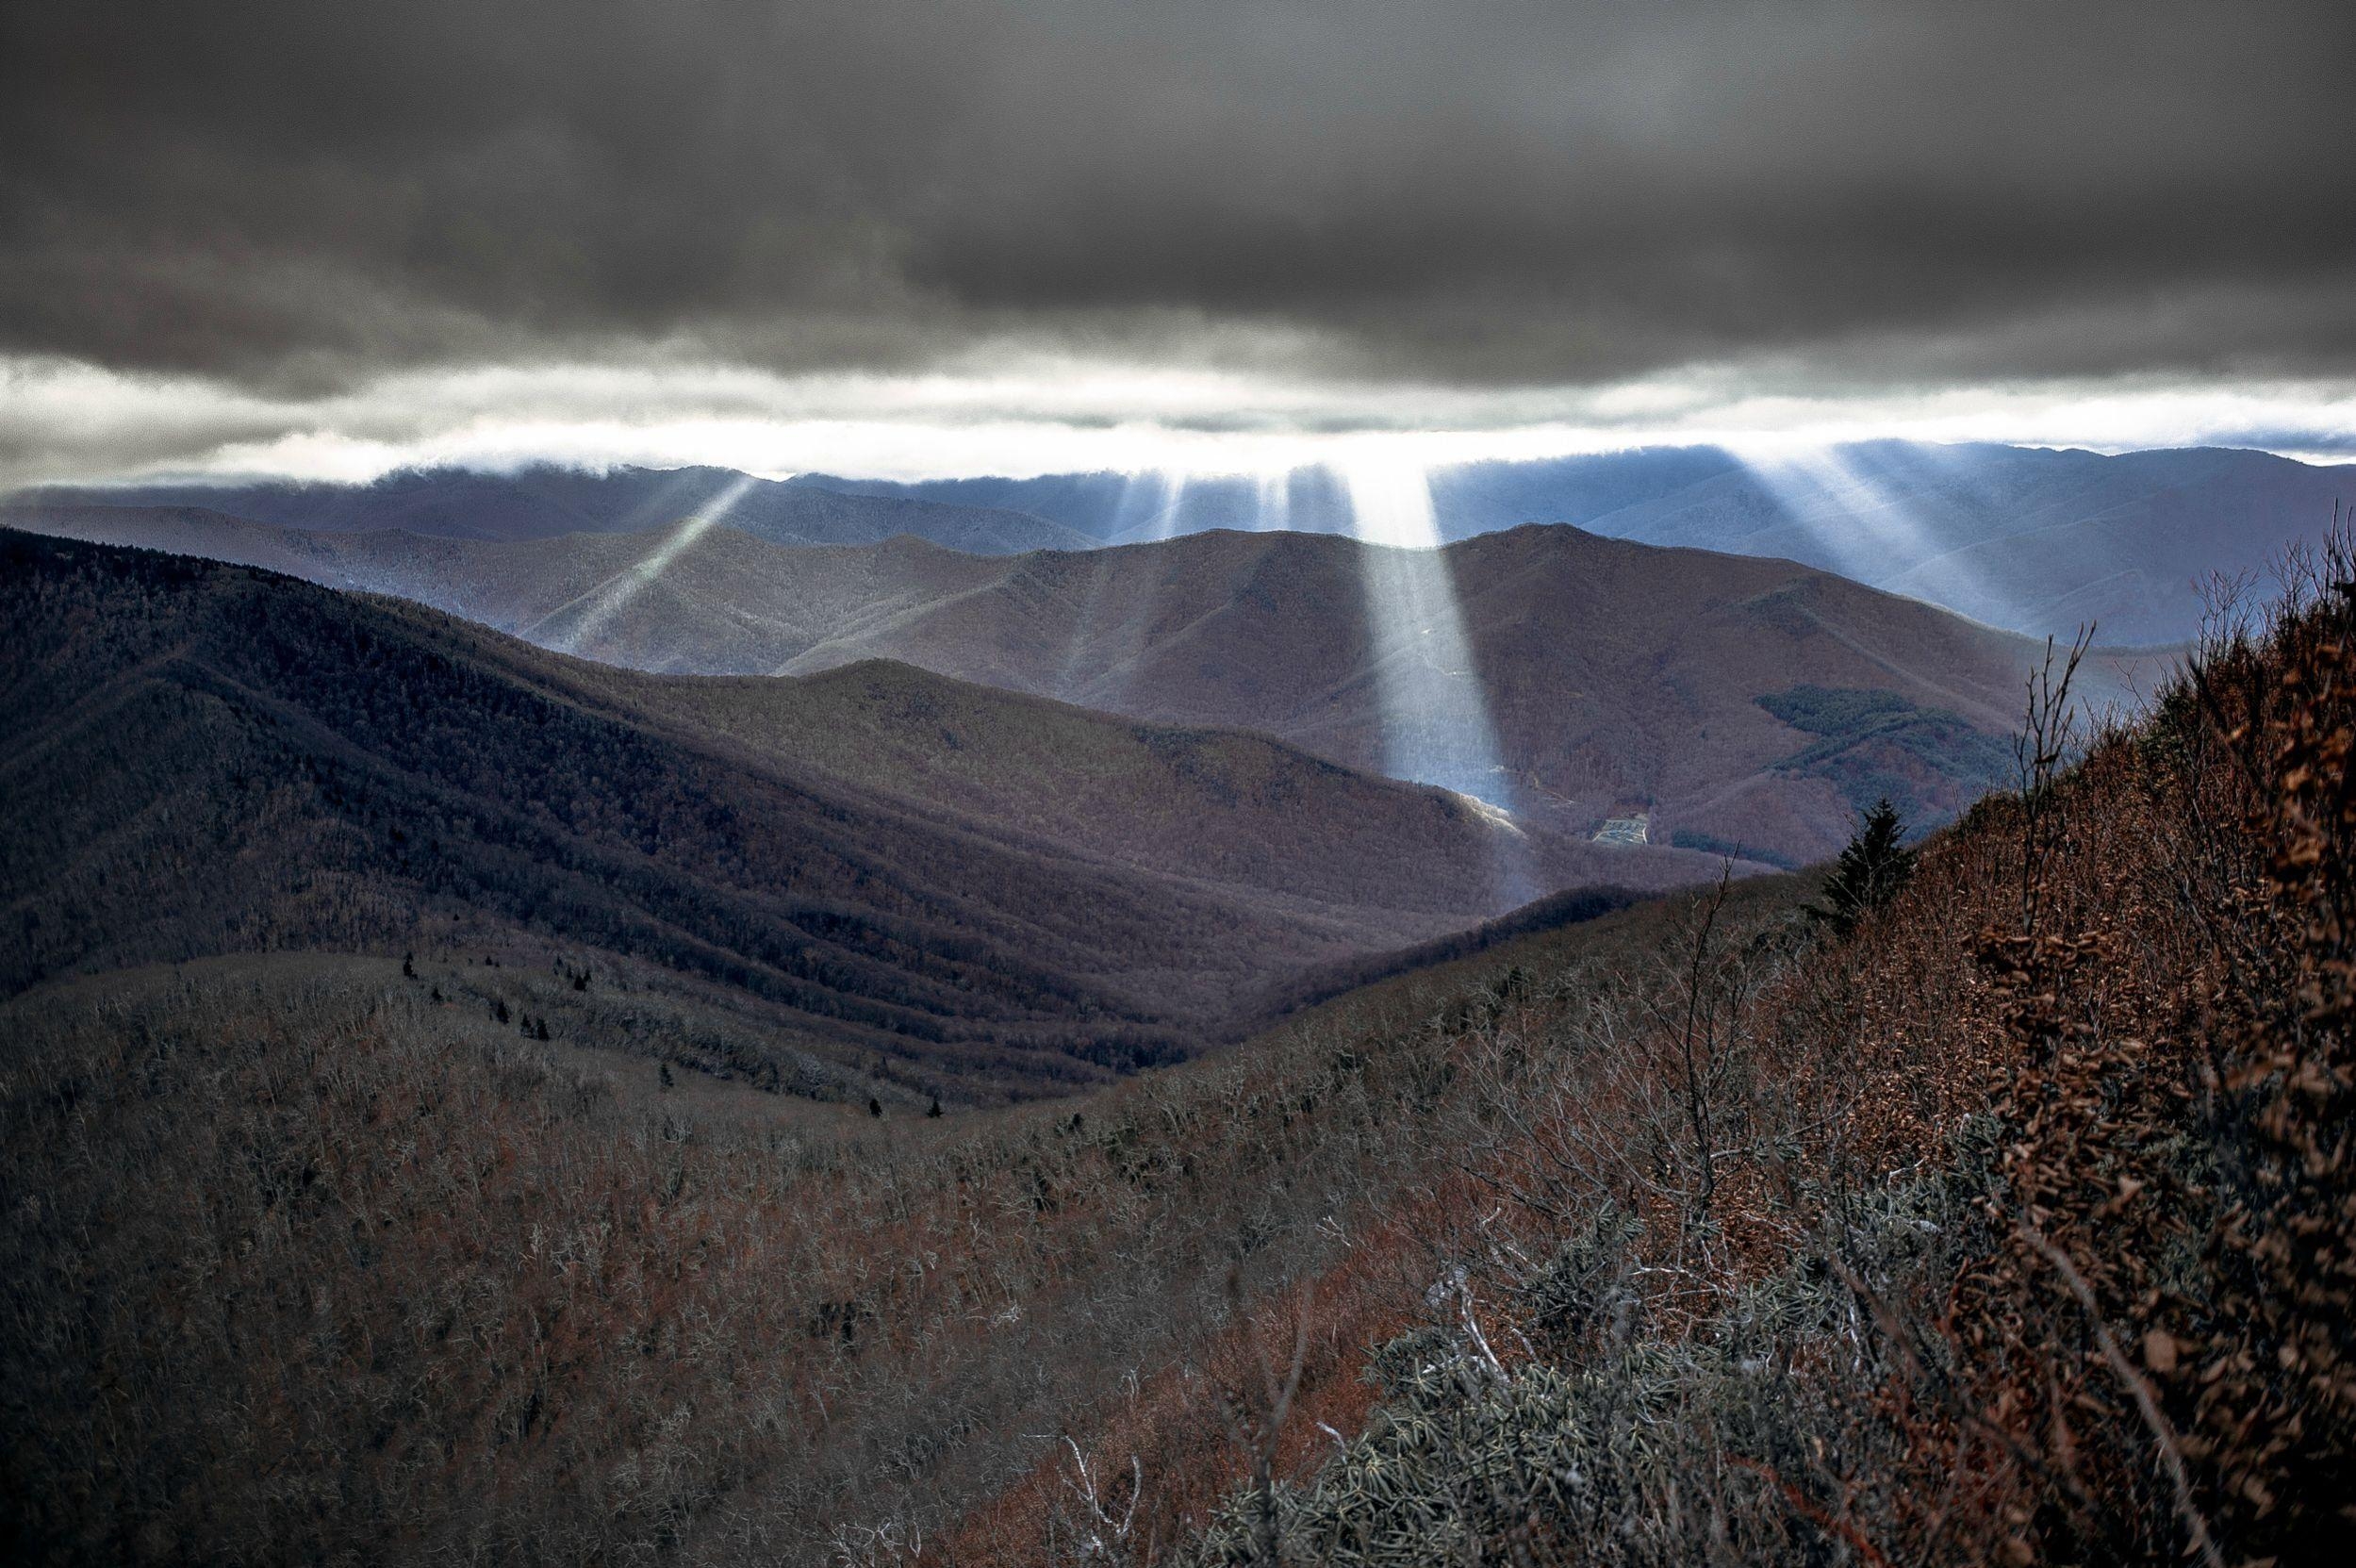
[297, 216]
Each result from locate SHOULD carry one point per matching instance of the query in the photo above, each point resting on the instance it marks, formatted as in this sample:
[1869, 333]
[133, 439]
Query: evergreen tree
[1868, 873]
[936, 1107]
[875, 1106]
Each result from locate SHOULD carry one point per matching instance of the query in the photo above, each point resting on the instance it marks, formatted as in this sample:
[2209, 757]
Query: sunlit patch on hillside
[609, 598]
[1495, 816]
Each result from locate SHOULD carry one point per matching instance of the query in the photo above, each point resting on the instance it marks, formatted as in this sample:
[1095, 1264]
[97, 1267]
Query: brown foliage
[2097, 1058]
[2017, 1228]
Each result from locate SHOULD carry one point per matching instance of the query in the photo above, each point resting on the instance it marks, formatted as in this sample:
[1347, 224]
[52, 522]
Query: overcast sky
[937, 237]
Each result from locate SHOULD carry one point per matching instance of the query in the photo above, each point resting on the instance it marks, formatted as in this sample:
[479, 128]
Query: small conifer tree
[1868, 873]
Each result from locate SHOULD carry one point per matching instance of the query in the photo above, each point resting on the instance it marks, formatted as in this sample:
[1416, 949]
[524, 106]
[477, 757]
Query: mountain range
[1724, 702]
[708, 965]
[877, 874]
[544, 501]
[2036, 540]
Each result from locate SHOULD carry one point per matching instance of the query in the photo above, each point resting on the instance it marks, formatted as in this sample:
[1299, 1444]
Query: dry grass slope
[2019, 1227]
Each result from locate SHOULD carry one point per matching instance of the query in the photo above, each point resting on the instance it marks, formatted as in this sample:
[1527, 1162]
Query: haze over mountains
[2034, 540]
[541, 501]
[2029, 539]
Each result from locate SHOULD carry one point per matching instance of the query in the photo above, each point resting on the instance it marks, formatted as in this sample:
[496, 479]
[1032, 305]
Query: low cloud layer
[61, 421]
[296, 202]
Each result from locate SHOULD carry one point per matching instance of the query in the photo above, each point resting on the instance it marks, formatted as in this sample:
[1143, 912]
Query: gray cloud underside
[294, 194]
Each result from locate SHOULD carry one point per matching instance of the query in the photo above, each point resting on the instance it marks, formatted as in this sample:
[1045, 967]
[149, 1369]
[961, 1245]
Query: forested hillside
[967, 893]
[311, 1257]
[2011, 1224]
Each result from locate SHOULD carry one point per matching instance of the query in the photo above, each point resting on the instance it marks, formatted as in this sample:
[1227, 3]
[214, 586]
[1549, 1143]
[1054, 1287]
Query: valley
[916, 882]
[1646, 1189]
[865, 783]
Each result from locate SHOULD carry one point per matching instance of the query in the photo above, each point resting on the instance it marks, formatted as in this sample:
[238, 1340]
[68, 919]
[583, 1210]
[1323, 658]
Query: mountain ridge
[547, 501]
[2132, 537]
[353, 771]
[1620, 678]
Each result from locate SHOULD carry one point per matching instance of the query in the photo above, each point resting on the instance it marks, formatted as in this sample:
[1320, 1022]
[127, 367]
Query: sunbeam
[1873, 535]
[601, 603]
[1105, 641]
[1272, 501]
[1436, 723]
[1091, 570]
[1149, 506]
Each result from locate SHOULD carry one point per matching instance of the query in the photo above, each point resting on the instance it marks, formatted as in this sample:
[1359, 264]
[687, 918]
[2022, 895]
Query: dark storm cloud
[1557, 192]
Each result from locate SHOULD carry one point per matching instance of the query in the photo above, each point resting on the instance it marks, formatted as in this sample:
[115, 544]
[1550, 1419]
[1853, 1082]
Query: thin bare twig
[2163, 1431]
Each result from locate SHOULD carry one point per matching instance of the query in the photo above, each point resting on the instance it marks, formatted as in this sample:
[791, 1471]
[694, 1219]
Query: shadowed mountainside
[1734, 702]
[888, 867]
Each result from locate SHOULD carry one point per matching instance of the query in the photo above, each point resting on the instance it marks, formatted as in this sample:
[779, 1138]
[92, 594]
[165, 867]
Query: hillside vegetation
[949, 890]
[2014, 1228]
[307, 1259]
[2017, 1226]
